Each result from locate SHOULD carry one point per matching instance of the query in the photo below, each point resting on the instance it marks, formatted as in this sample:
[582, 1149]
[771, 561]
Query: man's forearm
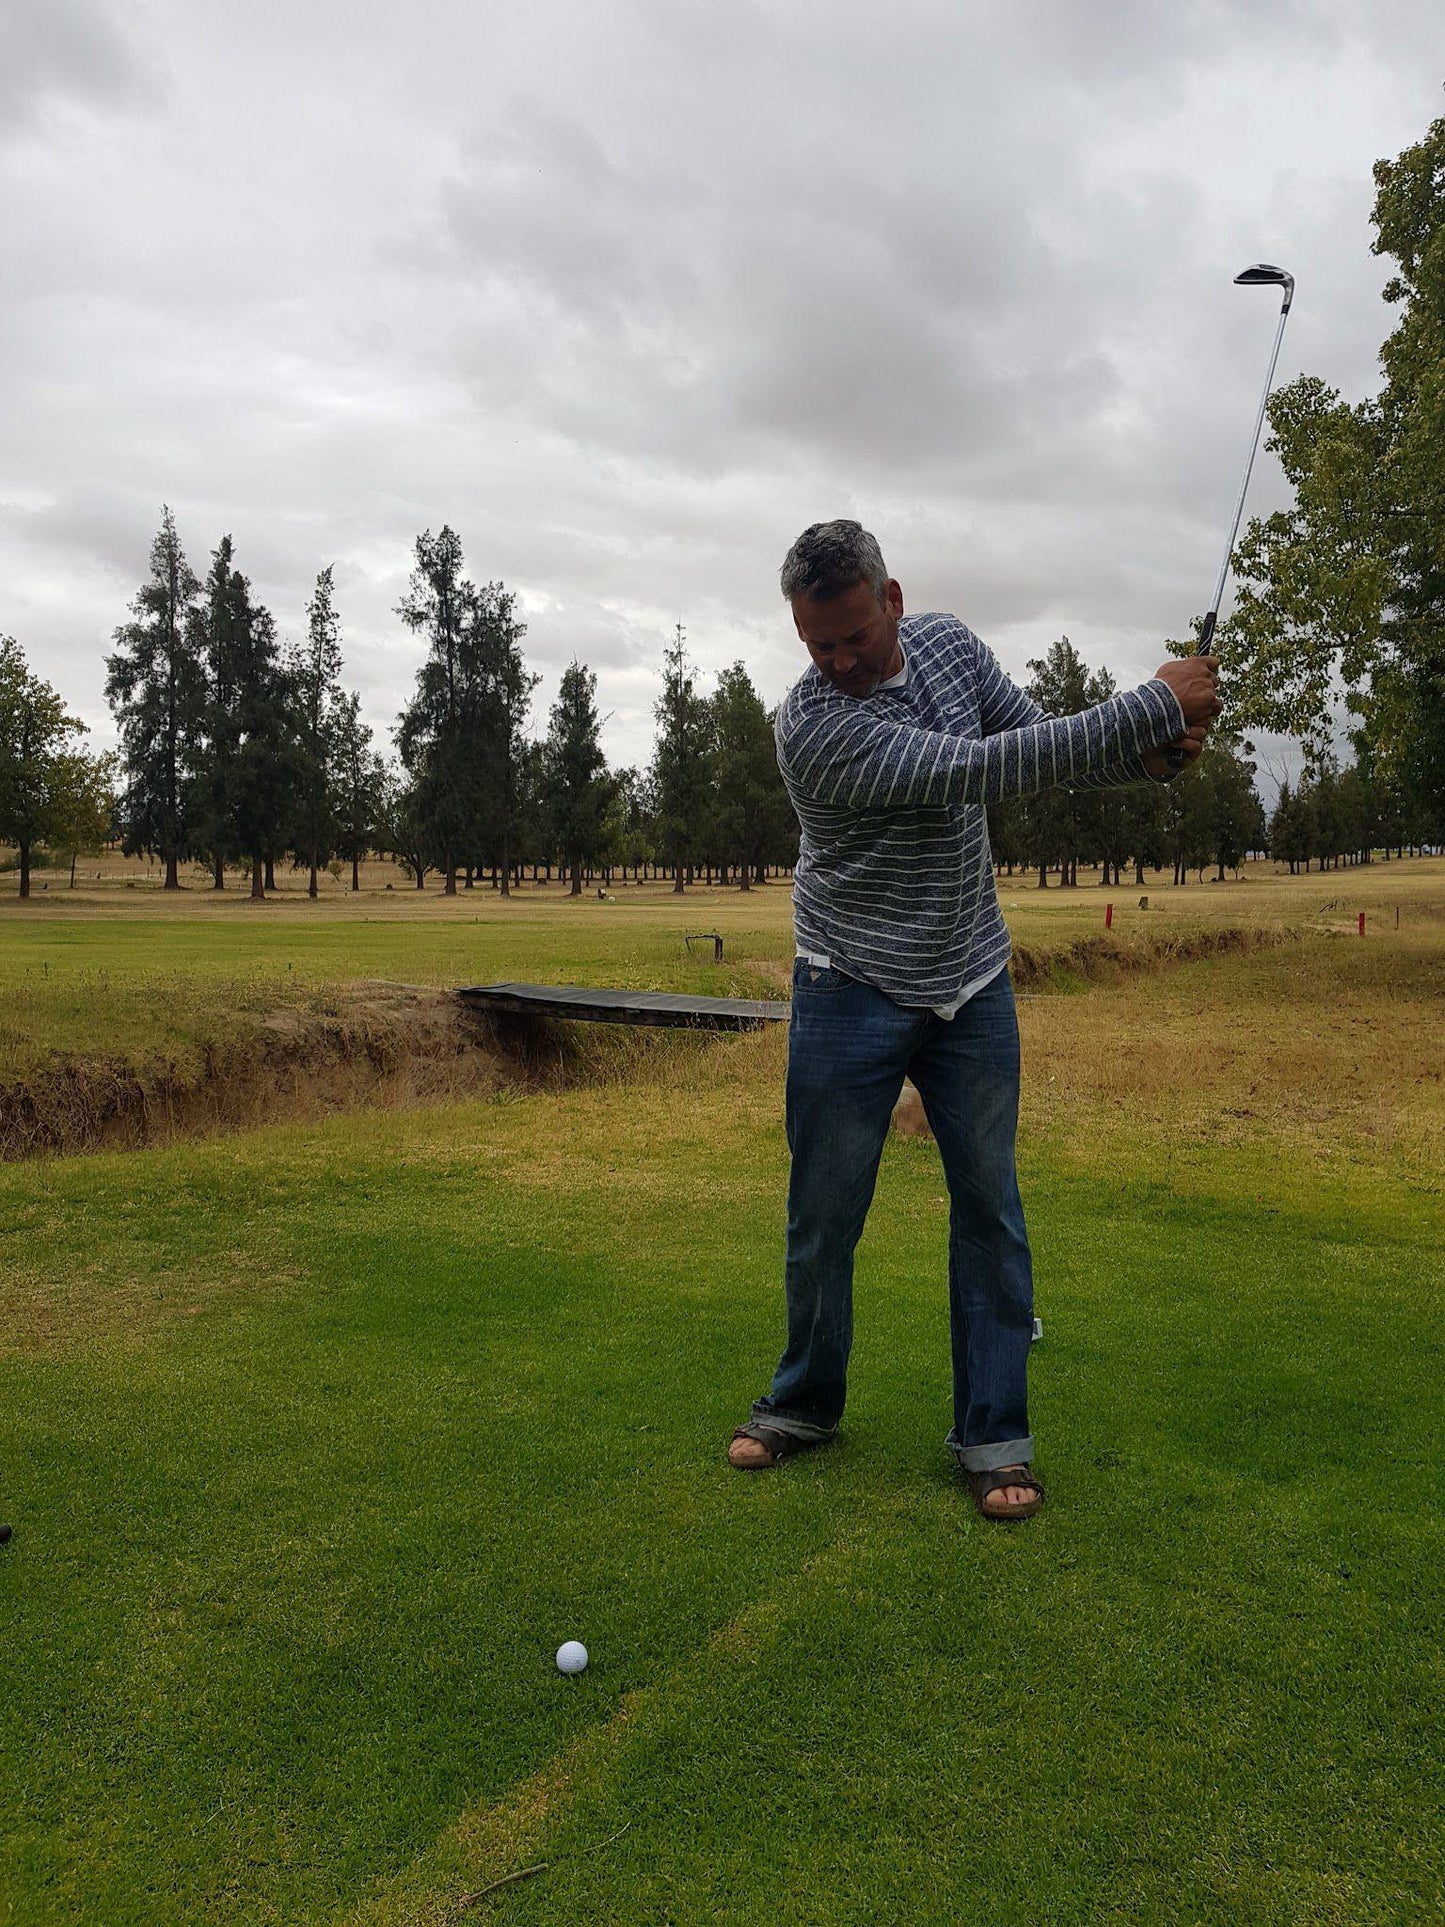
[849, 760]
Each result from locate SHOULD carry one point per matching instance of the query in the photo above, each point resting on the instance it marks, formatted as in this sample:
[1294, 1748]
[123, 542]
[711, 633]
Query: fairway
[319, 1440]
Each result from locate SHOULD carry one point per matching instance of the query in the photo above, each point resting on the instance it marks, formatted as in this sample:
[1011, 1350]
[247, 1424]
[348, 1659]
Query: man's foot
[757, 1445]
[1009, 1493]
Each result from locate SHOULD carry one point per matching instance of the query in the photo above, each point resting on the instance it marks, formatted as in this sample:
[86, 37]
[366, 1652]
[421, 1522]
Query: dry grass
[1334, 1042]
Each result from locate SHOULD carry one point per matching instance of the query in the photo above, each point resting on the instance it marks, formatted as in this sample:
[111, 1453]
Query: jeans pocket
[817, 977]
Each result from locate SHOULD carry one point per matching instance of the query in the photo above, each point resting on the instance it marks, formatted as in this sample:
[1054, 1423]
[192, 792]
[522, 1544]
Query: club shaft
[1206, 634]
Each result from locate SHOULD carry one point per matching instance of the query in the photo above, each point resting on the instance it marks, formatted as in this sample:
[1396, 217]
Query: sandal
[980, 1484]
[779, 1445]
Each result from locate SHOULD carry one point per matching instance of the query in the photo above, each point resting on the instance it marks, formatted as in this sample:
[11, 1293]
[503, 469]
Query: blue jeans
[849, 1049]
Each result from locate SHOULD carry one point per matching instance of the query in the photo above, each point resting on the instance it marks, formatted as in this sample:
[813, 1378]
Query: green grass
[147, 978]
[318, 1441]
[156, 986]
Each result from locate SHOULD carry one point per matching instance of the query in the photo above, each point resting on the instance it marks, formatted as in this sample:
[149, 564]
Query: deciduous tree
[34, 730]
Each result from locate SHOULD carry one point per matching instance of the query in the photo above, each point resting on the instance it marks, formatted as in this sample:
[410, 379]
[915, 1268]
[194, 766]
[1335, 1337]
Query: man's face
[853, 638]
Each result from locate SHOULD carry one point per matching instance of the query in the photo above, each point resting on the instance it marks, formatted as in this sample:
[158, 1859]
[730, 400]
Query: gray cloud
[628, 295]
[57, 55]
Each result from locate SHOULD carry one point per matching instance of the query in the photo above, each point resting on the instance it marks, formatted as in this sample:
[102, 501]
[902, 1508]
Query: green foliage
[320, 715]
[38, 780]
[753, 817]
[576, 789]
[1345, 592]
[1334, 816]
[84, 803]
[461, 736]
[436, 732]
[507, 686]
[156, 685]
[358, 777]
[680, 778]
[1210, 813]
[250, 756]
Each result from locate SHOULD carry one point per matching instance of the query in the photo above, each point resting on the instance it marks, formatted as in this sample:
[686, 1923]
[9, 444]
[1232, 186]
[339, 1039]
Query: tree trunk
[172, 881]
[218, 872]
[574, 870]
[311, 886]
[1043, 876]
[678, 886]
[258, 879]
[506, 872]
[270, 873]
[72, 869]
[356, 873]
[450, 887]
[25, 868]
[420, 877]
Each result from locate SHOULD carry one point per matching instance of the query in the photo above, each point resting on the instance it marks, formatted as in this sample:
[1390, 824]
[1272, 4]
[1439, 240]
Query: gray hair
[829, 559]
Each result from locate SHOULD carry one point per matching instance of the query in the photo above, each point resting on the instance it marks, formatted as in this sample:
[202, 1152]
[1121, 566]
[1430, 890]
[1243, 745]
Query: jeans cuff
[988, 1458]
[797, 1428]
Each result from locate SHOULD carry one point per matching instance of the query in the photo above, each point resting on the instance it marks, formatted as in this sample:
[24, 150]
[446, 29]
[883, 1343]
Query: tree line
[241, 751]
[1212, 815]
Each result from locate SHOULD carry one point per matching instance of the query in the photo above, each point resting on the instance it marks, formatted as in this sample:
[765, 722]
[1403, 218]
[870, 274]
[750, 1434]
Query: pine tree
[438, 734]
[313, 670]
[156, 689]
[215, 628]
[506, 696]
[359, 776]
[680, 775]
[752, 804]
[575, 784]
[246, 784]
[1059, 684]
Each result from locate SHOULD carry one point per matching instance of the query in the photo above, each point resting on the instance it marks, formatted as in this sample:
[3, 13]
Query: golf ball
[571, 1656]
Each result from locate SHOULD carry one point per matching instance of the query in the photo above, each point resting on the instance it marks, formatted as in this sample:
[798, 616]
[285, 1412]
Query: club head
[1262, 275]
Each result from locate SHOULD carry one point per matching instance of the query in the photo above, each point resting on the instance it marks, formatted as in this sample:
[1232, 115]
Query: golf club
[1261, 275]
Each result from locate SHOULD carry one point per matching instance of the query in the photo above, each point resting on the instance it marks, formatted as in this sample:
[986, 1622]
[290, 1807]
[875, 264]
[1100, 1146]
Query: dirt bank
[375, 1045]
[1105, 959]
[372, 1044]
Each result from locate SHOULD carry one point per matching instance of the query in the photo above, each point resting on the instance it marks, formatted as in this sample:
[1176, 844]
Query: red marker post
[1362, 923]
[1109, 919]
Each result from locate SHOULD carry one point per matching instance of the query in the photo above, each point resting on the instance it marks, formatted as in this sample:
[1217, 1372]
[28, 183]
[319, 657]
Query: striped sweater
[894, 883]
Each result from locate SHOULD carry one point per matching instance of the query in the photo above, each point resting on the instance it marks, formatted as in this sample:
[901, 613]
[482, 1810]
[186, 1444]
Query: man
[890, 746]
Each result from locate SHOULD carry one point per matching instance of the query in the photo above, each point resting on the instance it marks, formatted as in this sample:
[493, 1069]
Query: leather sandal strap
[778, 1443]
[1002, 1475]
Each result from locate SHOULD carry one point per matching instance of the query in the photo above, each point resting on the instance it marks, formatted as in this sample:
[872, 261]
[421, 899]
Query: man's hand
[1195, 682]
[1157, 762]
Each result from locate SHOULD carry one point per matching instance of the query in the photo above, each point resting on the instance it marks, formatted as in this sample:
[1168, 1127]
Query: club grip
[1175, 757]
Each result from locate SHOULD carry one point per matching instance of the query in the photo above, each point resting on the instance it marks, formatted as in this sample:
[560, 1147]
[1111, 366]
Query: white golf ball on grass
[571, 1656]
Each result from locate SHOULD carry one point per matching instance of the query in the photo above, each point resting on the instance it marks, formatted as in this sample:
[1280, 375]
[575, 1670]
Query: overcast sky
[629, 292]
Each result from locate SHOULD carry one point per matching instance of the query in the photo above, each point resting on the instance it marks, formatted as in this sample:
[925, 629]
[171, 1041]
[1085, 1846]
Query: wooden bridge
[656, 1007]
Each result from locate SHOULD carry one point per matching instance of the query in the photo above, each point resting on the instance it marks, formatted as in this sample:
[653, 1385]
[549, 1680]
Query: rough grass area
[318, 1440]
[158, 980]
[132, 1021]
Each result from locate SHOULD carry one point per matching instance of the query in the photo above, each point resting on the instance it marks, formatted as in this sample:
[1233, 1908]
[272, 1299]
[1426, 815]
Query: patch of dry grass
[1332, 1042]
